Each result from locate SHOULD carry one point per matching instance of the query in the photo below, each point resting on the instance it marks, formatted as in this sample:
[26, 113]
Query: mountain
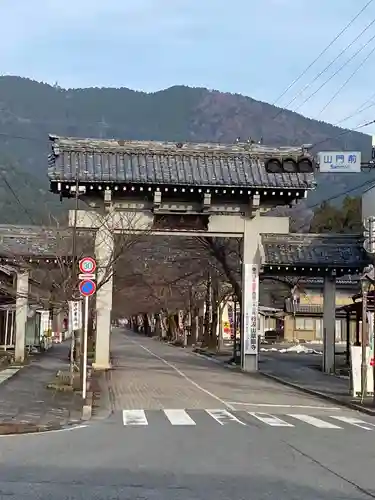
[30, 110]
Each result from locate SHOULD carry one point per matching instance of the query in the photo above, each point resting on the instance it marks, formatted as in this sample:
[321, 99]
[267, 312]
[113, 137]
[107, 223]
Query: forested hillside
[29, 111]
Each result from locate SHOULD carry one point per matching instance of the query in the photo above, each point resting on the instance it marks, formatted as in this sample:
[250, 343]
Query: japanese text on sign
[75, 315]
[339, 161]
[251, 291]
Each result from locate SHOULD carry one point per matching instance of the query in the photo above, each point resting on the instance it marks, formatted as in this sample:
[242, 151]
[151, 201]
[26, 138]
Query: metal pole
[235, 329]
[72, 360]
[364, 344]
[347, 354]
[85, 336]
[74, 271]
[12, 328]
[373, 347]
[6, 329]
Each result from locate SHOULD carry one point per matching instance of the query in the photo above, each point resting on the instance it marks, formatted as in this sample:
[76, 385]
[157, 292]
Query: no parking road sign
[87, 288]
[87, 265]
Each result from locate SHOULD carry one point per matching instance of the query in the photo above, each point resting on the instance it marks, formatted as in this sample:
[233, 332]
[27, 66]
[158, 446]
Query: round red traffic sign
[87, 265]
[87, 288]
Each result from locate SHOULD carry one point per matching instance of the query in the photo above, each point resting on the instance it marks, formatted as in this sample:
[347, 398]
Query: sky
[255, 48]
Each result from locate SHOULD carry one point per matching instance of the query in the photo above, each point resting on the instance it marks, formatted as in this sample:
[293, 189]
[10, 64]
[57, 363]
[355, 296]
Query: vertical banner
[75, 315]
[250, 301]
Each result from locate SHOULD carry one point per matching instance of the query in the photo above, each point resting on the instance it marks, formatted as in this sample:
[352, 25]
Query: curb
[332, 399]
[216, 361]
[20, 429]
[326, 397]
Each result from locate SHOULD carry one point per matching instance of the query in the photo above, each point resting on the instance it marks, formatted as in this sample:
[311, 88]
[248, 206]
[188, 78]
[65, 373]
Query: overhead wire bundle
[331, 63]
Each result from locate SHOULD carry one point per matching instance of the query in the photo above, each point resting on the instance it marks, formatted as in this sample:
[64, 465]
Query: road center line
[270, 405]
[182, 374]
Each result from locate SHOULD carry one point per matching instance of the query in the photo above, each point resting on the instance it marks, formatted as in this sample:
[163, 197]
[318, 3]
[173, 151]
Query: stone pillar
[254, 226]
[22, 287]
[57, 325]
[329, 323]
[250, 297]
[104, 252]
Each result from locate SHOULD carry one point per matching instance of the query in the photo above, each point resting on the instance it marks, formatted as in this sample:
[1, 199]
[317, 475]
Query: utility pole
[235, 328]
[369, 275]
[364, 340]
[75, 334]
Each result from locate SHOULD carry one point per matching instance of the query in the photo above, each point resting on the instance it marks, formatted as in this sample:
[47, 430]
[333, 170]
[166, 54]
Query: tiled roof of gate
[289, 307]
[343, 251]
[152, 162]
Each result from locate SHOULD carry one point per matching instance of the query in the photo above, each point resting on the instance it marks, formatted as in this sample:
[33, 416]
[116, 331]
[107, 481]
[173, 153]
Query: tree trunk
[220, 340]
[146, 325]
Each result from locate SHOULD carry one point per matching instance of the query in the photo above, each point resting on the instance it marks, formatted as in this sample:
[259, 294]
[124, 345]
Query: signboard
[339, 161]
[251, 299]
[370, 320]
[86, 276]
[356, 358]
[75, 315]
[87, 288]
[369, 234]
[45, 323]
[87, 265]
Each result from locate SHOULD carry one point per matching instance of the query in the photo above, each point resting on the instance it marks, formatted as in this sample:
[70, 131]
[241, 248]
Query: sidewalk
[303, 377]
[25, 399]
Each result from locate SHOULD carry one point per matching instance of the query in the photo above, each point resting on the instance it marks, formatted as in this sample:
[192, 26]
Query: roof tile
[344, 251]
[152, 162]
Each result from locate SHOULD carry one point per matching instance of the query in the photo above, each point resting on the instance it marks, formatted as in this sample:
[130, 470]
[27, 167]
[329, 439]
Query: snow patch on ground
[299, 349]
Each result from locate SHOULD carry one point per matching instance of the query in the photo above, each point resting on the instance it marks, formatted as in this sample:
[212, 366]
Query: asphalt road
[136, 449]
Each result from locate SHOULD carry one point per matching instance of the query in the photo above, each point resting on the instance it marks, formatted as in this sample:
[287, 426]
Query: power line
[335, 73]
[16, 197]
[347, 81]
[358, 110]
[344, 132]
[323, 52]
[308, 85]
[343, 193]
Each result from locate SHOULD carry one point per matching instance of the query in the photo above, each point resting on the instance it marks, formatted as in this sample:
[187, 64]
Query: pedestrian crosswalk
[191, 418]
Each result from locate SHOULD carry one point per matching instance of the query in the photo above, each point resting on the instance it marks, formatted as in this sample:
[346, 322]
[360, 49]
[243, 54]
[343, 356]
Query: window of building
[305, 324]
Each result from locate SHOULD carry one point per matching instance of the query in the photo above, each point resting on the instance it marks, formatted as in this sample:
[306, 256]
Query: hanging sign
[75, 315]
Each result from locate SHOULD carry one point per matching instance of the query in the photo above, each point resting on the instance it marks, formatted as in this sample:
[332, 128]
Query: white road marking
[270, 420]
[134, 417]
[316, 422]
[368, 426]
[269, 405]
[188, 379]
[179, 417]
[223, 417]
